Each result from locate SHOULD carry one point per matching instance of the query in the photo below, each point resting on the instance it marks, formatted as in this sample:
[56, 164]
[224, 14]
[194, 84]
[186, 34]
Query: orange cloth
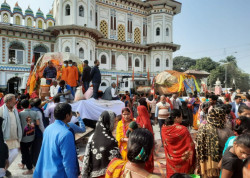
[72, 76]
[64, 74]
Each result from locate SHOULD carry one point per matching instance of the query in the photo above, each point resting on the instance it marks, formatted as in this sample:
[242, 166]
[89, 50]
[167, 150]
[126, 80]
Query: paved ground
[160, 167]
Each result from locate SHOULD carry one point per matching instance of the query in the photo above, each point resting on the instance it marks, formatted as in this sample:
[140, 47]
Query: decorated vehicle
[170, 81]
[36, 83]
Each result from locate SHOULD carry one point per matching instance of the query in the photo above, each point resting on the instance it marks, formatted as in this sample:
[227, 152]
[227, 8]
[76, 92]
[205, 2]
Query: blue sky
[204, 28]
[214, 28]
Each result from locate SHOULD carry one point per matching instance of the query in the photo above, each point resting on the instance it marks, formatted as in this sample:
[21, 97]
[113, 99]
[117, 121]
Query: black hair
[244, 125]
[173, 114]
[62, 82]
[243, 140]
[228, 108]
[95, 61]
[124, 97]
[25, 103]
[70, 61]
[242, 108]
[126, 109]
[86, 62]
[140, 138]
[61, 110]
[248, 96]
[237, 97]
[213, 97]
[180, 175]
[66, 62]
[118, 117]
[23, 96]
[36, 102]
[143, 102]
[56, 99]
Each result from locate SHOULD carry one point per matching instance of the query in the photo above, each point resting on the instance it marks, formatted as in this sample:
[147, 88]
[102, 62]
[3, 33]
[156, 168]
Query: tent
[170, 81]
[57, 59]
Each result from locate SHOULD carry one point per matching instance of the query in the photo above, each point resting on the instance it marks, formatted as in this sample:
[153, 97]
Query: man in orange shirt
[65, 71]
[72, 76]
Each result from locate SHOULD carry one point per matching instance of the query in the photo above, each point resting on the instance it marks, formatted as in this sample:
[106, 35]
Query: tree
[217, 73]
[206, 64]
[182, 63]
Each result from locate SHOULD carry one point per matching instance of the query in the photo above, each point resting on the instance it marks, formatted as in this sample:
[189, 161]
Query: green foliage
[217, 70]
[206, 64]
[182, 63]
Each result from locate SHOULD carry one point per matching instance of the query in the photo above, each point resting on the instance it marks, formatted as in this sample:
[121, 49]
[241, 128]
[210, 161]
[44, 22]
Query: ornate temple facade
[122, 34]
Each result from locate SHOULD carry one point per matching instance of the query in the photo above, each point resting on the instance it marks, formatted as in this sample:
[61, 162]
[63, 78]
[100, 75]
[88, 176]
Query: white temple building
[121, 34]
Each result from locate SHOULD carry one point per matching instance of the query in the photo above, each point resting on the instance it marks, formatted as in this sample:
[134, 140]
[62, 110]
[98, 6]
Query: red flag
[148, 75]
[133, 74]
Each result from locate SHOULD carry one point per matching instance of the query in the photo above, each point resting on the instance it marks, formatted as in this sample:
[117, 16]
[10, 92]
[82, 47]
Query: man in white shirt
[110, 93]
[54, 89]
[175, 101]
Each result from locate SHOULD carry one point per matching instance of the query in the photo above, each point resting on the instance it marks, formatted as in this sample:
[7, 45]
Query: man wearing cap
[86, 75]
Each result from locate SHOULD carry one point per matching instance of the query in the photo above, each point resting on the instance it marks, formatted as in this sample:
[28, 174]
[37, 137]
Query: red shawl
[143, 120]
[179, 149]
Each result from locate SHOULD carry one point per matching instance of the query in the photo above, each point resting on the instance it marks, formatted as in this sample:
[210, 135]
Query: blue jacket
[95, 75]
[57, 157]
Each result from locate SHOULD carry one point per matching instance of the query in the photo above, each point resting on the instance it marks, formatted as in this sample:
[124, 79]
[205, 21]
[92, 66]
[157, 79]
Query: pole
[226, 76]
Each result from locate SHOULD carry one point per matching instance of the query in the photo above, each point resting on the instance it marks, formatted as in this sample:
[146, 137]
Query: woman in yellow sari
[122, 127]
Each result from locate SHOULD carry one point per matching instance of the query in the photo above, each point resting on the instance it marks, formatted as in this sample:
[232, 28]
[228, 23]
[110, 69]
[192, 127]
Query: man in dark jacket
[4, 153]
[49, 73]
[86, 75]
[95, 76]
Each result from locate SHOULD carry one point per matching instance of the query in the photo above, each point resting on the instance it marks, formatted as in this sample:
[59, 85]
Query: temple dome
[5, 7]
[17, 9]
[39, 14]
[49, 16]
[29, 11]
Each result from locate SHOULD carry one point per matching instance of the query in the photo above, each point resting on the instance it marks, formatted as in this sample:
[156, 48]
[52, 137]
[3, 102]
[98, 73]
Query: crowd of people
[206, 135]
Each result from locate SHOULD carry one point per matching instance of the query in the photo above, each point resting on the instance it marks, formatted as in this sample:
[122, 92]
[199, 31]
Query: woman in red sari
[178, 145]
[143, 120]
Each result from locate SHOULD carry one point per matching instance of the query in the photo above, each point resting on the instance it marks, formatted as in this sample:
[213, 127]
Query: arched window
[50, 24]
[157, 31]
[137, 63]
[103, 59]
[16, 53]
[121, 32]
[81, 11]
[157, 62]
[67, 49]
[91, 15]
[39, 51]
[104, 28]
[103, 84]
[137, 36]
[81, 53]
[29, 22]
[5, 18]
[167, 62]
[167, 32]
[18, 20]
[40, 24]
[67, 10]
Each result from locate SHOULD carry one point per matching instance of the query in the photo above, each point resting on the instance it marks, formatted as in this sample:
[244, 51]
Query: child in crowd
[232, 161]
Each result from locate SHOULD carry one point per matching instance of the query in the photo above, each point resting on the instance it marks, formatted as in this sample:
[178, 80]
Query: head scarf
[102, 147]
[143, 118]
[208, 143]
